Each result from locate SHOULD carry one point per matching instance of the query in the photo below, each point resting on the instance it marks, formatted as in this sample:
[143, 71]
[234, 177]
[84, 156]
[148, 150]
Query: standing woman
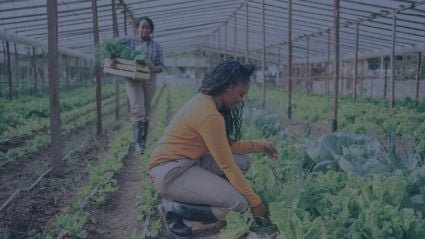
[199, 161]
[140, 92]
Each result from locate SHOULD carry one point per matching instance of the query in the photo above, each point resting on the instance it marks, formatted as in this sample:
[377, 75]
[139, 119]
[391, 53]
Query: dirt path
[33, 212]
[117, 217]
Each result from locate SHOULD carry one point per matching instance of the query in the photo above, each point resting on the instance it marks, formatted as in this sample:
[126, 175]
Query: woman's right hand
[270, 150]
[259, 211]
[114, 63]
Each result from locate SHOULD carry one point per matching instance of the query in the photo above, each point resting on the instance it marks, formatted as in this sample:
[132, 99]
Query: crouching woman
[199, 161]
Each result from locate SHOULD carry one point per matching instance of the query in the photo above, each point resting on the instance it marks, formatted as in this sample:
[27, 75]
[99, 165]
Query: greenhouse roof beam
[31, 7]
[171, 30]
[79, 24]
[203, 18]
[41, 17]
[346, 25]
[371, 26]
[59, 13]
[6, 36]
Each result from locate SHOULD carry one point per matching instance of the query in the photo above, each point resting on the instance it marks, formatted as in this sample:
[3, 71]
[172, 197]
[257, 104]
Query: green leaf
[237, 225]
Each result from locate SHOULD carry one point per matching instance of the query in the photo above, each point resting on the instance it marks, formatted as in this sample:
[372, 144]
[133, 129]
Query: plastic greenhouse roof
[185, 25]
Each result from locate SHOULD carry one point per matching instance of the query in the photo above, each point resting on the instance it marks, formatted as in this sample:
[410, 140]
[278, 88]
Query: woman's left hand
[153, 68]
[270, 150]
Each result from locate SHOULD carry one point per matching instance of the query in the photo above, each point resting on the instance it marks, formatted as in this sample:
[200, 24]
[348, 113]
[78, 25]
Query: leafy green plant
[237, 225]
[264, 182]
[307, 129]
[155, 228]
[386, 221]
[294, 223]
[134, 235]
[73, 224]
[355, 154]
[112, 48]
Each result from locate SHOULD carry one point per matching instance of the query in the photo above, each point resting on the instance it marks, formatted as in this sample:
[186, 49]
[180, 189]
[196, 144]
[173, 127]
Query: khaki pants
[140, 94]
[200, 182]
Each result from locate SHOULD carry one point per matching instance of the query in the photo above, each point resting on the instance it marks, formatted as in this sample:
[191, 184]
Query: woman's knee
[240, 204]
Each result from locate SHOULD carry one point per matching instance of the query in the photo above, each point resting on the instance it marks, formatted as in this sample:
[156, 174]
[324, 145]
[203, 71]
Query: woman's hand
[114, 63]
[153, 68]
[259, 211]
[270, 150]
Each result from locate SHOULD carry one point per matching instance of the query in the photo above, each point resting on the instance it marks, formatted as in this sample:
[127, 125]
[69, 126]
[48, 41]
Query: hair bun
[249, 67]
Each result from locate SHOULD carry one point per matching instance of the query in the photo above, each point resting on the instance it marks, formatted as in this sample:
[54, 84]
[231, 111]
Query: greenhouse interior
[216, 119]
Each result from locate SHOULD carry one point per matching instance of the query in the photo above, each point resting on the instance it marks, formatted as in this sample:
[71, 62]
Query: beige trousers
[140, 94]
[200, 182]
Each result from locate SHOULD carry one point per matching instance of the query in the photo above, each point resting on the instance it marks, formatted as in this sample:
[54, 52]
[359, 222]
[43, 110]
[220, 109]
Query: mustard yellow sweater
[197, 129]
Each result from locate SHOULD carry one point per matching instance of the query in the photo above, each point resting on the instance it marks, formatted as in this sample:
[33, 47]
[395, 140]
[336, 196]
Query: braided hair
[222, 77]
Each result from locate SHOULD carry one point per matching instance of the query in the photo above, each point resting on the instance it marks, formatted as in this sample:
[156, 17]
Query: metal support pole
[78, 67]
[336, 78]
[98, 72]
[235, 53]
[263, 52]
[418, 75]
[381, 68]
[356, 61]
[125, 23]
[290, 59]
[329, 64]
[363, 76]
[279, 63]
[342, 77]
[225, 41]
[247, 35]
[9, 70]
[307, 66]
[404, 62]
[219, 42]
[115, 32]
[16, 61]
[5, 66]
[385, 77]
[66, 66]
[34, 68]
[393, 60]
[54, 104]
[372, 84]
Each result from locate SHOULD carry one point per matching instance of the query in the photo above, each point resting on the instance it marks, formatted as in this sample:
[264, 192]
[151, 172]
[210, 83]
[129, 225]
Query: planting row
[372, 116]
[340, 185]
[72, 120]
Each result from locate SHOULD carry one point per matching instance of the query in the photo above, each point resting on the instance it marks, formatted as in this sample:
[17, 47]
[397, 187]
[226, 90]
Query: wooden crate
[126, 68]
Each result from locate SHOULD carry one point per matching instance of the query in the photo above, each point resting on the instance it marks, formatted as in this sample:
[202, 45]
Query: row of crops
[24, 135]
[74, 218]
[24, 122]
[366, 181]
[402, 127]
[339, 185]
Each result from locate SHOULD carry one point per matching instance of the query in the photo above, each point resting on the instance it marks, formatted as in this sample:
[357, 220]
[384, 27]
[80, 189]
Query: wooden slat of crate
[136, 75]
[127, 65]
[127, 68]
